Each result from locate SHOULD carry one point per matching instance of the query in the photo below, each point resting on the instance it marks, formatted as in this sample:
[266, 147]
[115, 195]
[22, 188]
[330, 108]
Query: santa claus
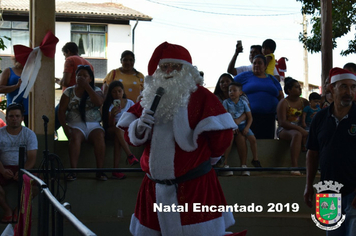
[187, 133]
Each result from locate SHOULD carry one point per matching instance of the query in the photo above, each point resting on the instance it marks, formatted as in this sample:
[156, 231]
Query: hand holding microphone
[147, 120]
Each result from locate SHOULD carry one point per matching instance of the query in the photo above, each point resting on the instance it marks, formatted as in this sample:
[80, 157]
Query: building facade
[101, 30]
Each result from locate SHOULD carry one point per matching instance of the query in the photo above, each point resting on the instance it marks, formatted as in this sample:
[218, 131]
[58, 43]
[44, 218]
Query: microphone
[45, 118]
[159, 94]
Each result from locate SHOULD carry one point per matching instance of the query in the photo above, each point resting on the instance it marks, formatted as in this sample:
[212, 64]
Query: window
[17, 31]
[91, 39]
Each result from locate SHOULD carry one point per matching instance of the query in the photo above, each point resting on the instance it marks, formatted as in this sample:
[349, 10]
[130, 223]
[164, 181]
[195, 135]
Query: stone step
[97, 204]
[271, 153]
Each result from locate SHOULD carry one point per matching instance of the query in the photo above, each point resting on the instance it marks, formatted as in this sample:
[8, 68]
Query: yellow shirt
[133, 84]
[271, 64]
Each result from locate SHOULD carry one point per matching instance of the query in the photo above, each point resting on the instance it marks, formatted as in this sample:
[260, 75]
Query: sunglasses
[14, 106]
[83, 66]
[172, 66]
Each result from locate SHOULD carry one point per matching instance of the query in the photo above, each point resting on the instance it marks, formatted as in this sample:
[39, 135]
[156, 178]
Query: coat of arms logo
[328, 215]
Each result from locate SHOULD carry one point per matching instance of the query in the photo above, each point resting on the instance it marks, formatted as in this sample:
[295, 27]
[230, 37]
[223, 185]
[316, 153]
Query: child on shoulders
[268, 48]
[310, 111]
[237, 107]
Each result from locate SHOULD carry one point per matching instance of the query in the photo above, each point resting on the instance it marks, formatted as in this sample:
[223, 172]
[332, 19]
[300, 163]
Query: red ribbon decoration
[47, 46]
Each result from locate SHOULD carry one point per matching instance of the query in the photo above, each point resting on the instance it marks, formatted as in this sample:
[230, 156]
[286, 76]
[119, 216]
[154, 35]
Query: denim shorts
[348, 227]
[241, 128]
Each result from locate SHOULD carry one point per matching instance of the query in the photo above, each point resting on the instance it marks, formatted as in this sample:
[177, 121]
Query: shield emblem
[352, 130]
[328, 208]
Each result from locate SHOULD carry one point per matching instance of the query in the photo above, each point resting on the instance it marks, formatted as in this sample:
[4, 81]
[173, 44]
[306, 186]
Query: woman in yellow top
[289, 113]
[127, 75]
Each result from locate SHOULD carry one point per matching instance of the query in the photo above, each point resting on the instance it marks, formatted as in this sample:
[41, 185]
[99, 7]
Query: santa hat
[282, 67]
[337, 74]
[167, 52]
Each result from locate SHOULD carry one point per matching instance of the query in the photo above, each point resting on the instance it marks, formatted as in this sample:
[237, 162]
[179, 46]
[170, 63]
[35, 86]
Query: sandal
[101, 176]
[132, 160]
[14, 217]
[6, 219]
[256, 163]
[296, 173]
[71, 176]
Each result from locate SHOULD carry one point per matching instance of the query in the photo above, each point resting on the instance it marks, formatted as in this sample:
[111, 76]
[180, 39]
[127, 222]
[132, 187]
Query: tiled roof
[81, 8]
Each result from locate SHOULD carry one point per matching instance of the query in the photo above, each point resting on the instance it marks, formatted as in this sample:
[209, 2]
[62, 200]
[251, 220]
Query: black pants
[264, 125]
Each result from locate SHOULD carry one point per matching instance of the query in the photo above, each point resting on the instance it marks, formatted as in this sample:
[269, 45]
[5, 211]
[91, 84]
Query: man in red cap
[183, 136]
[331, 143]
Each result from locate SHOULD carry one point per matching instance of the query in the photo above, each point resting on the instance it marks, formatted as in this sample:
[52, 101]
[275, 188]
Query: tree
[343, 17]
[2, 45]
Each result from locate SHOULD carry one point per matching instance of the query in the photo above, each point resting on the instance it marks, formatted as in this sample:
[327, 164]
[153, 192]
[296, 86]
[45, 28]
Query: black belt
[198, 171]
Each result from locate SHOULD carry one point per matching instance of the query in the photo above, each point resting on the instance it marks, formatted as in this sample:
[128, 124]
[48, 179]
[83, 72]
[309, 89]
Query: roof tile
[81, 8]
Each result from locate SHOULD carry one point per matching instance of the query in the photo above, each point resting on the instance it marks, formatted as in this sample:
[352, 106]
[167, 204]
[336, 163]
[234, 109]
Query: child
[310, 111]
[268, 48]
[237, 107]
[350, 67]
[111, 114]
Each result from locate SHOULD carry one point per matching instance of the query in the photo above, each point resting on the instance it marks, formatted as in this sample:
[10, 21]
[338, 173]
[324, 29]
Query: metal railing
[48, 203]
[45, 199]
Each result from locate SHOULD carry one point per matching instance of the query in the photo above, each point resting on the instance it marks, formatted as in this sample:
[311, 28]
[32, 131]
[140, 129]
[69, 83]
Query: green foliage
[2, 44]
[3, 105]
[343, 17]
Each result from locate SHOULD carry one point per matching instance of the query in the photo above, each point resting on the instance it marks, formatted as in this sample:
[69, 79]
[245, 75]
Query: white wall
[119, 40]
[63, 34]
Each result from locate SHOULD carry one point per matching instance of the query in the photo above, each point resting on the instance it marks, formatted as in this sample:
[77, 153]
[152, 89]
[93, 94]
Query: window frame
[13, 29]
[88, 32]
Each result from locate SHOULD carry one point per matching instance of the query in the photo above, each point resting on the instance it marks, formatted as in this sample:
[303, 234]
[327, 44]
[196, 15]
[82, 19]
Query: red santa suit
[196, 133]
[199, 131]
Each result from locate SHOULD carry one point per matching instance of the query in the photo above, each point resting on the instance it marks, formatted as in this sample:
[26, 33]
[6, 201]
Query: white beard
[177, 92]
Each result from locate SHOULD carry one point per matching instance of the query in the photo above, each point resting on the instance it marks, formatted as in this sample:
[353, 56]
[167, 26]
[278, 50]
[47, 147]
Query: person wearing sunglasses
[189, 127]
[72, 61]
[79, 114]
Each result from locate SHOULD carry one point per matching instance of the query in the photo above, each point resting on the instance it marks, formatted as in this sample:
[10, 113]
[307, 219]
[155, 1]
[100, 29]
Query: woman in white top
[114, 106]
[79, 115]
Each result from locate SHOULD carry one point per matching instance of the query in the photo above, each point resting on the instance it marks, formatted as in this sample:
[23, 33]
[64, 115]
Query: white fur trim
[187, 138]
[132, 134]
[214, 160]
[343, 76]
[136, 228]
[169, 222]
[162, 152]
[126, 119]
[209, 228]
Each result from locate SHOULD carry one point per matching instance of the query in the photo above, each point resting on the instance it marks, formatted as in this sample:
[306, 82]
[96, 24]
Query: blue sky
[209, 30]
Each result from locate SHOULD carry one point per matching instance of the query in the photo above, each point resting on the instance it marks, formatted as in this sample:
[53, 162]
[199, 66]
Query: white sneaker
[226, 173]
[245, 173]
[296, 173]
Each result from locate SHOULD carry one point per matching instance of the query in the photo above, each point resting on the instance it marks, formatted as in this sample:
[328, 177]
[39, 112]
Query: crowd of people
[245, 107]
[252, 94]
[262, 92]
